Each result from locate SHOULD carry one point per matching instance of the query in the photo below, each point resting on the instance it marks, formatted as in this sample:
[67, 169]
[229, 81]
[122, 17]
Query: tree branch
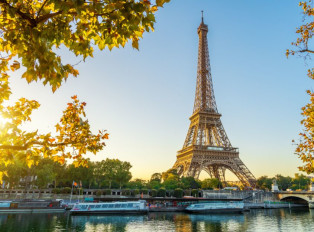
[47, 16]
[27, 145]
[42, 6]
[31, 21]
[306, 50]
[13, 147]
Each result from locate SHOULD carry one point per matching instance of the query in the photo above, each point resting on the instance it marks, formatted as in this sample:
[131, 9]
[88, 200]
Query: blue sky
[144, 98]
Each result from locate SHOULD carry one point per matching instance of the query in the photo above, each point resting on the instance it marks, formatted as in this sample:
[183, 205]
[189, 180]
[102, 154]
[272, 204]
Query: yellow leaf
[106, 136]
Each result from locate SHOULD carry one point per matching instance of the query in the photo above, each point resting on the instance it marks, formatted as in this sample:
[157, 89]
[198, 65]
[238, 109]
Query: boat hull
[215, 211]
[32, 210]
[109, 212]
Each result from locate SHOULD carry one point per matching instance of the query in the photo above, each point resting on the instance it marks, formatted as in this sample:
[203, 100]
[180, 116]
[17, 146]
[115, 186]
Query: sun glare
[2, 121]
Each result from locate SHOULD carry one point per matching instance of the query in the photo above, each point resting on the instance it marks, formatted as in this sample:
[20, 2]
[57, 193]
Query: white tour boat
[217, 207]
[128, 207]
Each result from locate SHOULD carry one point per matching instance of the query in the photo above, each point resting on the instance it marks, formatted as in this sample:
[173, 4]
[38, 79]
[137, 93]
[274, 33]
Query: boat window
[83, 206]
[92, 206]
[130, 205]
[123, 205]
[104, 206]
[117, 205]
[110, 206]
[98, 206]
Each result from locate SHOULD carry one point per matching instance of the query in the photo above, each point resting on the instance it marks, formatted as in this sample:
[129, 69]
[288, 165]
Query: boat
[31, 206]
[127, 207]
[217, 207]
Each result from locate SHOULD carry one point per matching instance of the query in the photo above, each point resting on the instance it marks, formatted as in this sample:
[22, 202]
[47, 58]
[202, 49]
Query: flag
[74, 184]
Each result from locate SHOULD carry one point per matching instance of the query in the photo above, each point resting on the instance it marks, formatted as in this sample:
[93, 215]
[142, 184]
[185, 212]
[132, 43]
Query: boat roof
[115, 202]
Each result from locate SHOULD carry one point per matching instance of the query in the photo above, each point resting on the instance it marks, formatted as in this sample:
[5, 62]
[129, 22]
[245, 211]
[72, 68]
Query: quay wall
[247, 196]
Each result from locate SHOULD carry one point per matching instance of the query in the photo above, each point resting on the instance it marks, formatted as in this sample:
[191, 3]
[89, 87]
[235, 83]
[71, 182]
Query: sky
[144, 98]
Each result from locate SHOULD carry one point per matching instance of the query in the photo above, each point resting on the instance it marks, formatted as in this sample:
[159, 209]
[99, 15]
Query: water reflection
[103, 222]
[256, 220]
[219, 222]
[31, 222]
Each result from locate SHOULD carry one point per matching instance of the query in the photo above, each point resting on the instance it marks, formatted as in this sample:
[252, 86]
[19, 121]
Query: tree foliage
[303, 47]
[73, 131]
[34, 31]
[299, 181]
[112, 170]
[264, 183]
[48, 172]
[136, 184]
[31, 35]
[156, 177]
[284, 182]
[212, 183]
[305, 32]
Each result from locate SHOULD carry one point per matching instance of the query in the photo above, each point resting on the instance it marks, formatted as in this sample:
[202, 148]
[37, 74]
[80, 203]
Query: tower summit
[207, 146]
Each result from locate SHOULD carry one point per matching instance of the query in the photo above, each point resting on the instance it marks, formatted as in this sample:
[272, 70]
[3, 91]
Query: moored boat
[30, 206]
[217, 207]
[128, 207]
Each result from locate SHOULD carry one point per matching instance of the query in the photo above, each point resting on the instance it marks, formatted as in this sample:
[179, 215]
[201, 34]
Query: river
[271, 220]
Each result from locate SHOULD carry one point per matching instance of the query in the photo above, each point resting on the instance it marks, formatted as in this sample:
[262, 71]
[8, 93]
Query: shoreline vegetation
[111, 174]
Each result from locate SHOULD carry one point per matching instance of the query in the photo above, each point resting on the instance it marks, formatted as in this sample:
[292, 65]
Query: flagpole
[71, 193]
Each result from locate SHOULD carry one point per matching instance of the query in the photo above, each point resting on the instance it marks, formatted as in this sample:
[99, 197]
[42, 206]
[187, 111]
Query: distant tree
[153, 193]
[99, 172]
[117, 171]
[283, 182]
[211, 183]
[171, 174]
[300, 181]
[178, 193]
[109, 170]
[264, 183]
[81, 173]
[136, 184]
[13, 173]
[161, 192]
[123, 174]
[154, 184]
[156, 177]
[194, 192]
[189, 183]
[48, 172]
[171, 184]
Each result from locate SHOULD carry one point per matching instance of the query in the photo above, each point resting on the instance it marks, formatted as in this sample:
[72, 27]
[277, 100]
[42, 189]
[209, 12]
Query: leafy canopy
[303, 45]
[34, 31]
[31, 34]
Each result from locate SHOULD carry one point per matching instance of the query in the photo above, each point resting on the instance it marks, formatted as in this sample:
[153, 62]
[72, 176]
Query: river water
[270, 220]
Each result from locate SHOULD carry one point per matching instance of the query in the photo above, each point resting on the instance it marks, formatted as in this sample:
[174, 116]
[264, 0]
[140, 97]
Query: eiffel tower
[207, 146]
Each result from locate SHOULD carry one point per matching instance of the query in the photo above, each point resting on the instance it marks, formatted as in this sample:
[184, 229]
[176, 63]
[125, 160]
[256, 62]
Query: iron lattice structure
[207, 146]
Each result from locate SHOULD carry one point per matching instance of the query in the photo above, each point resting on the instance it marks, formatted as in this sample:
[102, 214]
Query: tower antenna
[202, 16]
